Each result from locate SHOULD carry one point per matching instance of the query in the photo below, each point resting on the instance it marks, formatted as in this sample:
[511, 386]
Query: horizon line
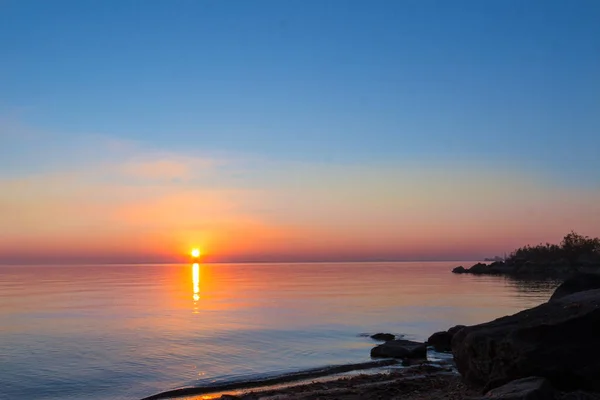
[226, 262]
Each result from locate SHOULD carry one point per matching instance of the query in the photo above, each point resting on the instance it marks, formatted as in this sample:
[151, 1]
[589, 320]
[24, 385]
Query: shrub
[571, 248]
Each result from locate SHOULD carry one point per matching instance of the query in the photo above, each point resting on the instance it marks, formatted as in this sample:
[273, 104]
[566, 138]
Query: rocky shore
[549, 352]
[556, 343]
[575, 254]
[521, 268]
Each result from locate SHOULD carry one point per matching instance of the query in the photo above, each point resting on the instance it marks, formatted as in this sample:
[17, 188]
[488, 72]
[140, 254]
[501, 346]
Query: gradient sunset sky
[133, 131]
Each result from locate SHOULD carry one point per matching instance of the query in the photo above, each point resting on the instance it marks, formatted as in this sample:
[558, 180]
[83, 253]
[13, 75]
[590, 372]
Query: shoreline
[434, 361]
[530, 353]
[294, 377]
[344, 385]
[419, 382]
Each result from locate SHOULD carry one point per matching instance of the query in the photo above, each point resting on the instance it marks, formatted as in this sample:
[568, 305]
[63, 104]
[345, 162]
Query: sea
[131, 331]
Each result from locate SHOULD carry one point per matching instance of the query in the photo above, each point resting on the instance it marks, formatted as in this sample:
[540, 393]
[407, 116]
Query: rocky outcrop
[577, 283]
[534, 268]
[495, 268]
[385, 337]
[532, 388]
[455, 329]
[442, 341]
[502, 268]
[400, 349]
[557, 340]
[479, 268]
[557, 268]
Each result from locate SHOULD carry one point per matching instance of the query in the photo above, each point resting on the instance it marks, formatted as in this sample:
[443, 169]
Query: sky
[134, 131]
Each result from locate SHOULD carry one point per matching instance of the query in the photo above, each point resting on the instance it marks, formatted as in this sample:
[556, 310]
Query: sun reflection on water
[196, 281]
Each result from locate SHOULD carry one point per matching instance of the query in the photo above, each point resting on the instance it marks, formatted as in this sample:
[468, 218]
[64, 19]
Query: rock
[442, 341]
[455, 329]
[517, 267]
[531, 388]
[400, 349]
[383, 336]
[557, 340]
[576, 283]
[496, 264]
[479, 268]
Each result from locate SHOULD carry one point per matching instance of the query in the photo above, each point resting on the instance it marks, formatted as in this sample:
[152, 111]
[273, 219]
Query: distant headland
[576, 253]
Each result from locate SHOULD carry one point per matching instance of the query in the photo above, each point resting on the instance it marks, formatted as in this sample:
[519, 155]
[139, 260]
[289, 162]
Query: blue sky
[311, 79]
[500, 84]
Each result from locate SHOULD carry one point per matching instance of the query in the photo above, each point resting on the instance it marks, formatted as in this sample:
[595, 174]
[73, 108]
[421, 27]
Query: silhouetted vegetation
[576, 253]
[571, 250]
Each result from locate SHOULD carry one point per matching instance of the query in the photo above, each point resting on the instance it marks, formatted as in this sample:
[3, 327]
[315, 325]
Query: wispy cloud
[130, 202]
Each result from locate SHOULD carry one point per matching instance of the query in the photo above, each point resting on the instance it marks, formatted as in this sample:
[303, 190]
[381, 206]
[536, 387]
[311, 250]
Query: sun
[195, 253]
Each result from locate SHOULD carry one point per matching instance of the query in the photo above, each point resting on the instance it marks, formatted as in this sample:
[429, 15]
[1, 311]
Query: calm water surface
[124, 332]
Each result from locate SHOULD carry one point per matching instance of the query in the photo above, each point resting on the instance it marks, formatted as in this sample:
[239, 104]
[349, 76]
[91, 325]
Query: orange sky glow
[156, 207]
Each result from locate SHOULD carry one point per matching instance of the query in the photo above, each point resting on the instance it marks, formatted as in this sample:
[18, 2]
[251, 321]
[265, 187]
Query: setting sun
[195, 253]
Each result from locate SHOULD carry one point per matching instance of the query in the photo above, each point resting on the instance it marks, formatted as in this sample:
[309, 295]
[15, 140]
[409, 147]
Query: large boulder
[557, 340]
[531, 388]
[459, 270]
[400, 349]
[442, 341]
[452, 331]
[576, 283]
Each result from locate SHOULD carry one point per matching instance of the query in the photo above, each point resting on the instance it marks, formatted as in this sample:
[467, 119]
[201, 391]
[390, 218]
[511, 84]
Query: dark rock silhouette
[479, 268]
[400, 349]
[386, 337]
[557, 269]
[557, 340]
[577, 283]
[531, 388]
[502, 268]
[442, 341]
[576, 253]
[455, 329]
